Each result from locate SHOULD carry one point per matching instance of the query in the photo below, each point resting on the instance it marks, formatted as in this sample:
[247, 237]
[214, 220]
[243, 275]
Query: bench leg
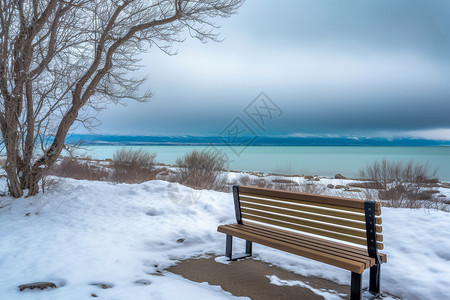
[229, 249]
[355, 288]
[248, 248]
[374, 283]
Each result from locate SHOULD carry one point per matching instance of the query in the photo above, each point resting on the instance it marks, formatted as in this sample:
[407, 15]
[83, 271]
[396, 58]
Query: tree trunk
[31, 183]
[14, 186]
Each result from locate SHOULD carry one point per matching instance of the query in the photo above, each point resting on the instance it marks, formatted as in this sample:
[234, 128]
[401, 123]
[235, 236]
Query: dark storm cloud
[335, 67]
[415, 25]
[366, 116]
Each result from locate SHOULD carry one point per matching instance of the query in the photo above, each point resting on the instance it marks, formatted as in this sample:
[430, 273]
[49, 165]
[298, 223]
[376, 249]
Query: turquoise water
[320, 160]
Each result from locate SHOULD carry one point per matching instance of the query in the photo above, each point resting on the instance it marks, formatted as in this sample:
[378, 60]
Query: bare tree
[58, 58]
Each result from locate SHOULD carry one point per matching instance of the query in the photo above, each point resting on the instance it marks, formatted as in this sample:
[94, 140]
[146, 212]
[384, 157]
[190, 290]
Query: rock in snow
[37, 285]
[339, 176]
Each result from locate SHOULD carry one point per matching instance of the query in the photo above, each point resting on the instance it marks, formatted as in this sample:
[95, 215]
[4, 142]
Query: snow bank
[124, 235]
[327, 295]
[96, 232]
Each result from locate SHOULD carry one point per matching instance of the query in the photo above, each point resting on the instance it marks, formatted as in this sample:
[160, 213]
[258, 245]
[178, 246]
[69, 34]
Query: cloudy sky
[333, 68]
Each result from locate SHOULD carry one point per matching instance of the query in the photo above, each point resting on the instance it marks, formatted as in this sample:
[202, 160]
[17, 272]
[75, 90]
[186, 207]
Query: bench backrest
[350, 220]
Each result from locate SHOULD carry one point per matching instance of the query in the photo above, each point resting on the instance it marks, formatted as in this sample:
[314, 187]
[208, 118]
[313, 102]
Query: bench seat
[351, 258]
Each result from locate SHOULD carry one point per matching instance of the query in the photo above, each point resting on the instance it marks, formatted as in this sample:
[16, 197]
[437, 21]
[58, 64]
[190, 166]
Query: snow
[125, 235]
[90, 232]
[223, 260]
[326, 294]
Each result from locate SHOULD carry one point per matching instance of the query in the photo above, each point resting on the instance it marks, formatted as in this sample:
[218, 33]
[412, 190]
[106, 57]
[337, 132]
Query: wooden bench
[341, 232]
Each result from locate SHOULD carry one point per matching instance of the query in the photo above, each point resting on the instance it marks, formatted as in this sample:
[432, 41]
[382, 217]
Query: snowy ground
[122, 235]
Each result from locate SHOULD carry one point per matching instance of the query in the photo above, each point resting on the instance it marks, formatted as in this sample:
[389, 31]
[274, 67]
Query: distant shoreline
[323, 160]
[226, 145]
[225, 140]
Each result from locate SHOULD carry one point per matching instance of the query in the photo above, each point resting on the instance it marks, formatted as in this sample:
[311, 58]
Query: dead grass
[127, 166]
[399, 184]
[72, 167]
[243, 179]
[202, 170]
[281, 183]
[312, 188]
[394, 184]
[133, 166]
[49, 183]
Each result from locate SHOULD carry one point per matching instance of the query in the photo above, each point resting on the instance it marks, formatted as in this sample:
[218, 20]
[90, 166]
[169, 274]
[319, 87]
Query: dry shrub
[74, 168]
[49, 183]
[285, 184]
[400, 184]
[202, 170]
[311, 187]
[284, 181]
[243, 179]
[367, 185]
[288, 185]
[163, 173]
[133, 166]
[258, 182]
[261, 182]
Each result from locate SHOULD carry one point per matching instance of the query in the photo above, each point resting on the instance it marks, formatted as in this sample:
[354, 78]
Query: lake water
[313, 160]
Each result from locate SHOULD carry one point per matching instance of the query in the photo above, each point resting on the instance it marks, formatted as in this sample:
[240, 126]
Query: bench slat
[311, 198]
[305, 202]
[337, 236]
[317, 210]
[305, 242]
[309, 216]
[320, 241]
[313, 224]
[340, 262]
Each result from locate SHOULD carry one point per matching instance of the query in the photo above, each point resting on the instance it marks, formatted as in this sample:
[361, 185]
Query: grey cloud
[335, 67]
[384, 24]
